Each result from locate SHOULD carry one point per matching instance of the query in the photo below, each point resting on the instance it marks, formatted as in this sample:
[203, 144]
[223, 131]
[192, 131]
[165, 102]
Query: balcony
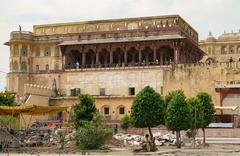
[22, 36]
[227, 84]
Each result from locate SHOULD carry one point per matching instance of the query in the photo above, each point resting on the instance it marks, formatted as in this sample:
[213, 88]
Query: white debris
[134, 140]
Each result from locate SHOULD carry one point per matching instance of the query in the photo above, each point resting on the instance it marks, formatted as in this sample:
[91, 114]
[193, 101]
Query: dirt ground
[211, 150]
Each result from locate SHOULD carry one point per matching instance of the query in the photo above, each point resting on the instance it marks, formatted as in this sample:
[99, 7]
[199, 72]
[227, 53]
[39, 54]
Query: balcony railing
[227, 84]
[117, 65]
[22, 35]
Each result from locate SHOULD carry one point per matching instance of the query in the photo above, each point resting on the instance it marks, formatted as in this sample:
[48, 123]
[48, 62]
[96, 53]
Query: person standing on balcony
[77, 65]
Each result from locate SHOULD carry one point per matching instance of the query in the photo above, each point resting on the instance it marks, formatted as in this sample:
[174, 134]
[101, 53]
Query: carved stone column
[176, 55]
[83, 57]
[97, 56]
[125, 55]
[161, 57]
[111, 56]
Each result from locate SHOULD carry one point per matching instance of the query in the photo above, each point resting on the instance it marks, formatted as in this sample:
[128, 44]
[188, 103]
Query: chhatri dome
[229, 36]
[210, 38]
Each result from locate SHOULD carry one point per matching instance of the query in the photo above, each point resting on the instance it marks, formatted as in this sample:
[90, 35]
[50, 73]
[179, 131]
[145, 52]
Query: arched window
[37, 51]
[23, 67]
[209, 50]
[56, 52]
[47, 51]
[37, 68]
[15, 50]
[15, 67]
[24, 51]
[224, 50]
[121, 110]
[47, 68]
[106, 110]
[231, 51]
[56, 67]
[238, 49]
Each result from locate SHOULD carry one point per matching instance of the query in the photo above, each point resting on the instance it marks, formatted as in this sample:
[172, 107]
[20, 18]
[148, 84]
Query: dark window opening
[161, 90]
[106, 110]
[102, 91]
[121, 110]
[131, 91]
[75, 91]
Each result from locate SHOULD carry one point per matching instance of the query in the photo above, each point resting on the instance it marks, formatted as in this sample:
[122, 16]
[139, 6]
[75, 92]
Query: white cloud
[204, 15]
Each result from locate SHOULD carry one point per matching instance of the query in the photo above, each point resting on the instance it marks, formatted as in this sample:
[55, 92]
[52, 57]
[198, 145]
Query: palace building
[225, 48]
[112, 60]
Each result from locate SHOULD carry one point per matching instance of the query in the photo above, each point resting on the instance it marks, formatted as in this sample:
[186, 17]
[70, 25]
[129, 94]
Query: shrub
[125, 122]
[84, 110]
[93, 134]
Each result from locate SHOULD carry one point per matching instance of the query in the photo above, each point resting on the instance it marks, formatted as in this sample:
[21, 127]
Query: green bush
[125, 122]
[93, 134]
[84, 110]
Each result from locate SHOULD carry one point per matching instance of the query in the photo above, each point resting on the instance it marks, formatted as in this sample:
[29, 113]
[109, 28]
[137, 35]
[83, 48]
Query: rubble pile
[135, 140]
[41, 134]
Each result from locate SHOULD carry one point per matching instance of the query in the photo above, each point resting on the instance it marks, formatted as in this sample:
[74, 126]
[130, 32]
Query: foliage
[178, 114]
[208, 108]
[6, 99]
[125, 122]
[197, 113]
[147, 109]
[172, 94]
[93, 134]
[84, 110]
[9, 122]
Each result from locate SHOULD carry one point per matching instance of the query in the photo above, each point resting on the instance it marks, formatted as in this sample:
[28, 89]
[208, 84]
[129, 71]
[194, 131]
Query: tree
[147, 109]
[178, 116]
[208, 111]
[93, 134]
[84, 110]
[6, 98]
[125, 122]
[197, 115]
[172, 94]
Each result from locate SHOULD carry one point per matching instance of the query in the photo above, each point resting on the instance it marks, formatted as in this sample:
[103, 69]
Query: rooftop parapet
[147, 24]
[21, 36]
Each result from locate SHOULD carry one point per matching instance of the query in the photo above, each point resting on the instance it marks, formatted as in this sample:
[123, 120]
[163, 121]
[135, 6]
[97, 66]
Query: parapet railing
[227, 84]
[116, 65]
[21, 35]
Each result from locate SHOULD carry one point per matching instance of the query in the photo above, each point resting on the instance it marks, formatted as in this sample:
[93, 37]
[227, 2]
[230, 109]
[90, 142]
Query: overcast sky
[204, 15]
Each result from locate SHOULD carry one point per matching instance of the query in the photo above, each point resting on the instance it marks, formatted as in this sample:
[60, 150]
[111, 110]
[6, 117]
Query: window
[231, 50]
[47, 51]
[15, 67]
[57, 51]
[209, 50]
[37, 68]
[161, 90]
[121, 110]
[238, 49]
[37, 52]
[23, 67]
[15, 51]
[56, 67]
[75, 91]
[24, 51]
[131, 91]
[102, 91]
[106, 110]
[47, 68]
[224, 50]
